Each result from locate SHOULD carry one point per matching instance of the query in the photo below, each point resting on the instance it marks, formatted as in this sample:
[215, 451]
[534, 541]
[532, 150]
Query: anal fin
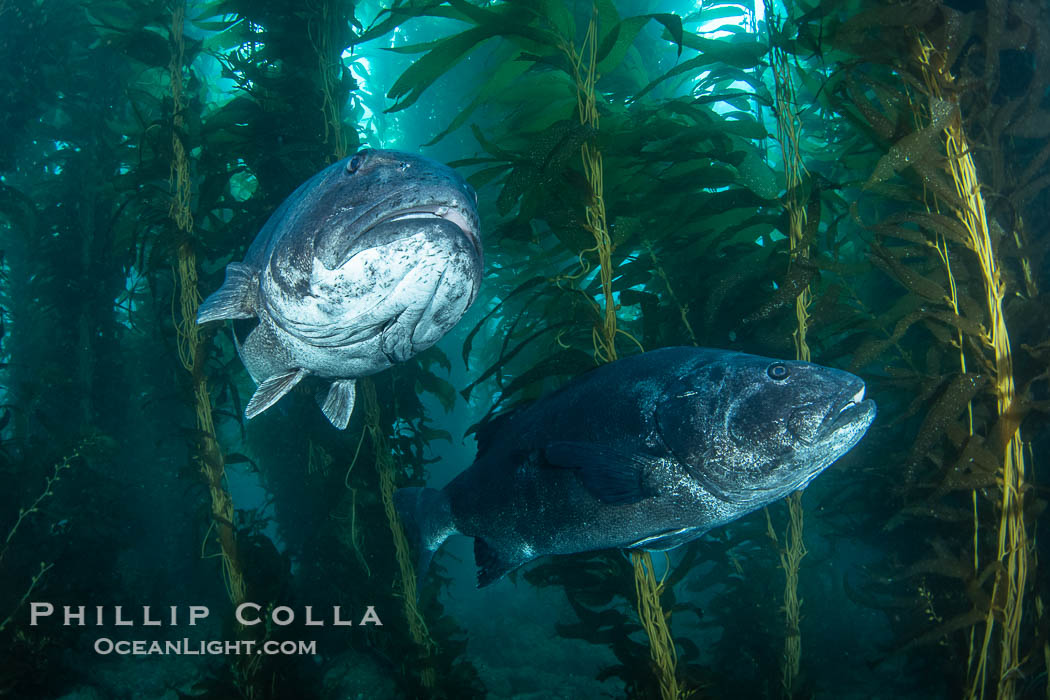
[339, 403]
[492, 565]
[272, 389]
[233, 299]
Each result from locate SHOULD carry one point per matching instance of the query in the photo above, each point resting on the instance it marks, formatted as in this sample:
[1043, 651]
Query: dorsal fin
[488, 427]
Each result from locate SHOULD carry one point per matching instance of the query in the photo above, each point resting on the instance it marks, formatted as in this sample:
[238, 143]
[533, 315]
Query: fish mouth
[444, 212]
[847, 410]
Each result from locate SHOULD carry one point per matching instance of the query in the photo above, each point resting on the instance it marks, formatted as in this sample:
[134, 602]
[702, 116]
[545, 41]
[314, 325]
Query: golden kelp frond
[945, 411]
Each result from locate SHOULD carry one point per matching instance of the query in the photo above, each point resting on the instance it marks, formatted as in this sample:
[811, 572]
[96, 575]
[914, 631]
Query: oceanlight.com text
[187, 647]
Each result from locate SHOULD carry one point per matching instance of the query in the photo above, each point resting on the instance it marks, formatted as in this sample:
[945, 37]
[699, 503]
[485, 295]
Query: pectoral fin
[339, 403]
[613, 476]
[272, 389]
[233, 299]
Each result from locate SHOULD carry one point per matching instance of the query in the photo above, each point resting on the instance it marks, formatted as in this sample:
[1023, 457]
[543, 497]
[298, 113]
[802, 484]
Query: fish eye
[355, 163]
[778, 371]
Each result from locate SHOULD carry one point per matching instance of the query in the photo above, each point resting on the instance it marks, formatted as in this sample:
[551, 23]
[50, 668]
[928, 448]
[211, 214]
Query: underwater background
[863, 183]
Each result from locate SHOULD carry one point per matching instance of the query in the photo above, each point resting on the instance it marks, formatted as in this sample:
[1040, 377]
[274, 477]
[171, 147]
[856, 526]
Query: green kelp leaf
[557, 13]
[567, 224]
[673, 24]
[492, 14]
[231, 37]
[484, 176]
[619, 39]
[757, 176]
[523, 287]
[505, 18]
[401, 14]
[112, 14]
[723, 78]
[608, 15]
[238, 458]
[145, 46]
[434, 355]
[214, 25]
[548, 154]
[623, 228]
[738, 99]
[551, 110]
[649, 304]
[565, 363]
[507, 72]
[711, 14]
[506, 356]
[616, 43]
[490, 148]
[429, 434]
[520, 179]
[236, 112]
[530, 94]
[742, 55]
[433, 384]
[916, 146]
[424, 71]
[513, 20]
[631, 272]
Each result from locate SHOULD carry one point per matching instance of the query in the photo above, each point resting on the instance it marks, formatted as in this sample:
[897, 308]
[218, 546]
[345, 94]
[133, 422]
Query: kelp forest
[863, 184]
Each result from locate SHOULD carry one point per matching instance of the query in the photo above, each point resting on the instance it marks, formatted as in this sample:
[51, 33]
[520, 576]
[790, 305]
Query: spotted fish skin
[649, 452]
[365, 265]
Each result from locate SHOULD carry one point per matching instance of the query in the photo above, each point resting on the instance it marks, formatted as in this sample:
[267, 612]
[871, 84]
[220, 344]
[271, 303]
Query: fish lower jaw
[437, 211]
[441, 211]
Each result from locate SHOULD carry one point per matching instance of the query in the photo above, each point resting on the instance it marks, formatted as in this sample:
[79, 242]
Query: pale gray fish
[649, 452]
[366, 264]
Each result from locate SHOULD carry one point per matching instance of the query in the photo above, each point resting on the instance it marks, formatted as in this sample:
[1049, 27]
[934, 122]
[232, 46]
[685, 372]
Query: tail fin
[427, 518]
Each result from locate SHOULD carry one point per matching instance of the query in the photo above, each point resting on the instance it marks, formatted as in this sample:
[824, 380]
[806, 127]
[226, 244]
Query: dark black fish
[369, 262]
[649, 452]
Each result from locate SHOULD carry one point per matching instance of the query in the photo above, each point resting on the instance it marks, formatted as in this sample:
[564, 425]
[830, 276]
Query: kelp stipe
[407, 574]
[604, 335]
[799, 236]
[1013, 545]
[193, 354]
[959, 294]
